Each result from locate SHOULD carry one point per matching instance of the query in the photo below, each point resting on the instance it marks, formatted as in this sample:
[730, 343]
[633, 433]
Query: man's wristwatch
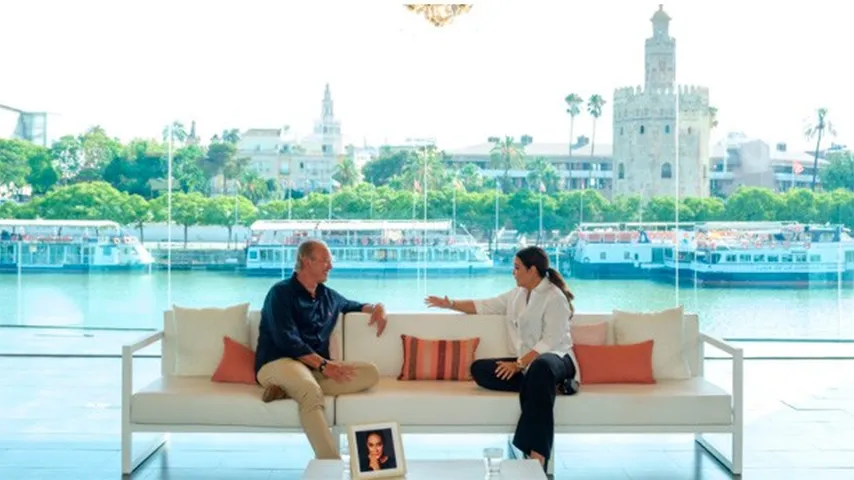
[520, 364]
[322, 366]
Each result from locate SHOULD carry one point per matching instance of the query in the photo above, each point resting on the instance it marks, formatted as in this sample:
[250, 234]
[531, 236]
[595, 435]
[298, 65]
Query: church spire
[326, 112]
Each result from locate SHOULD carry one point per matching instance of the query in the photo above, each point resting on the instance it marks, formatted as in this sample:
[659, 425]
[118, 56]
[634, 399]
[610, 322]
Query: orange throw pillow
[437, 359]
[237, 364]
[630, 363]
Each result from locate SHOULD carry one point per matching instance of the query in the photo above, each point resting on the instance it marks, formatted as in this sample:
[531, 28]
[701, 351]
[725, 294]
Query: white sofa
[195, 404]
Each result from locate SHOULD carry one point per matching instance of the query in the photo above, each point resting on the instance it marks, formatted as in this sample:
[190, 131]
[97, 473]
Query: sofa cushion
[615, 363]
[237, 364]
[436, 359]
[198, 336]
[199, 401]
[589, 334]
[681, 402]
[386, 352]
[667, 329]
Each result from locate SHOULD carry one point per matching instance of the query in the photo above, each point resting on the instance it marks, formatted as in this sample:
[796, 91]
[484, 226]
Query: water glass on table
[492, 458]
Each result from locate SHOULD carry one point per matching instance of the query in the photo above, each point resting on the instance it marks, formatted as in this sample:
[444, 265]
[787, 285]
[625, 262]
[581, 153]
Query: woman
[537, 313]
[376, 458]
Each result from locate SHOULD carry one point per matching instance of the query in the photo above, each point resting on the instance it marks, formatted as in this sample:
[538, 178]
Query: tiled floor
[59, 419]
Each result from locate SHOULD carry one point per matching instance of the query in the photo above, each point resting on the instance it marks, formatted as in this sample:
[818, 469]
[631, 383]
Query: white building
[647, 120]
[314, 163]
[740, 160]
[23, 125]
[268, 151]
[305, 164]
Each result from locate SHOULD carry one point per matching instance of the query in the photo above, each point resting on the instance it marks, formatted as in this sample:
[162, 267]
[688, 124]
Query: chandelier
[439, 14]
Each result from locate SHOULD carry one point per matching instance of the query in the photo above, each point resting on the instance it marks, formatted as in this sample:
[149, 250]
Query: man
[292, 359]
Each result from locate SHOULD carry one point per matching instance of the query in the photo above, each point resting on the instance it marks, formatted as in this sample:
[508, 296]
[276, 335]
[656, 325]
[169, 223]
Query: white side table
[437, 469]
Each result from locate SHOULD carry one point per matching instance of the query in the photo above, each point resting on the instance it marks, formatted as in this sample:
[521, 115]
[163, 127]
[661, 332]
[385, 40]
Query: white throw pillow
[667, 331]
[198, 336]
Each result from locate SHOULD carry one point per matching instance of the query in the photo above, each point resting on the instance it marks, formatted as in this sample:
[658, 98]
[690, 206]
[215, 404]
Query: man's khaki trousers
[309, 388]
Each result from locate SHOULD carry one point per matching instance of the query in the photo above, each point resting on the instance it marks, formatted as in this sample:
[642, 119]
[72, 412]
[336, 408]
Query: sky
[502, 69]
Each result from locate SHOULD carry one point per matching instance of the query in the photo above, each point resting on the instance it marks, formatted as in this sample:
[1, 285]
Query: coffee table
[436, 469]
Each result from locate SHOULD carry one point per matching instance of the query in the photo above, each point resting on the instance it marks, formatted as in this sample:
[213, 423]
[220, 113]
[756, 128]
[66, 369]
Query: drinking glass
[492, 458]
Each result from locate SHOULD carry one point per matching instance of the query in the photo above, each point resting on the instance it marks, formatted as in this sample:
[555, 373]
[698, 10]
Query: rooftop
[539, 150]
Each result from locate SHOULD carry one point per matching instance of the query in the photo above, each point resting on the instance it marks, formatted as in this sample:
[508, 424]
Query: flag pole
[454, 208]
[542, 194]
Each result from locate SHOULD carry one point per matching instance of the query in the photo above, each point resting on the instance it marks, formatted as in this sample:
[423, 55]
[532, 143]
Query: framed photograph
[376, 451]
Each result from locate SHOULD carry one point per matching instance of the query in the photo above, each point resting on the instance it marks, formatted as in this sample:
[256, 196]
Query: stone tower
[327, 129]
[661, 126]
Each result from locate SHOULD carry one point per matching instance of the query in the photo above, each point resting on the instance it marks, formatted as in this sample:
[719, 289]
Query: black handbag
[569, 386]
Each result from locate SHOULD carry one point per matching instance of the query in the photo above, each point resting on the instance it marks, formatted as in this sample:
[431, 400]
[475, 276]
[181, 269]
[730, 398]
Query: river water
[137, 300]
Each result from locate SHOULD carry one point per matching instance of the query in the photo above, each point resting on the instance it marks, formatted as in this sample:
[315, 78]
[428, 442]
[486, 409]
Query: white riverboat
[368, 247]
[761, 254]
[80, 246]
[619, 250]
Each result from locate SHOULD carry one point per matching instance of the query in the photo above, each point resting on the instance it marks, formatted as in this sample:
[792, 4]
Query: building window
[689, 131]
[621, 130]
[621, 171]
[667, 129]
[326, 148]
[642, 130]
[666, 171]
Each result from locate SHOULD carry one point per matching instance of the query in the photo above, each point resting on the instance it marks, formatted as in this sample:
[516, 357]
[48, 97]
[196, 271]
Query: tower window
[666, 171]
[621, 130]
[690, 131]
[667, 129]
[642, 130]
[621, 171]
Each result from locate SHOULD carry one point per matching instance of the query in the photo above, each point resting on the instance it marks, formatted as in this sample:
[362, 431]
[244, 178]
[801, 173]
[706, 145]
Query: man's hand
[378, 318]
[340, 372]
[437, 302]
[506, 370]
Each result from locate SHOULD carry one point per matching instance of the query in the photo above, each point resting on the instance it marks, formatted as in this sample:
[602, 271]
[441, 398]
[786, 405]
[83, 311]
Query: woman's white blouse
[539, 323]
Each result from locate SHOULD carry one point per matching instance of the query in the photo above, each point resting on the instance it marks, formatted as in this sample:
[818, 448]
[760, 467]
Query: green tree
[573, 108]
[594, 108]
[379, 171]
[346, 172]
[753, 204]
[506, 155]
[14, 161]
[839, 172]
[821, 127]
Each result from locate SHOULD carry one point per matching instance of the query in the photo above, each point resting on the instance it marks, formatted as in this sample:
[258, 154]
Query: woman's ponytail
[557, 280]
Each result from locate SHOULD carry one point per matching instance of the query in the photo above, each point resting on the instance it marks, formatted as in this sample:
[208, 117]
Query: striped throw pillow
[437, 359]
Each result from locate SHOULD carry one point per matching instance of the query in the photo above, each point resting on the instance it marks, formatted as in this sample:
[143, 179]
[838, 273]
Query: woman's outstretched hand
[437, 302]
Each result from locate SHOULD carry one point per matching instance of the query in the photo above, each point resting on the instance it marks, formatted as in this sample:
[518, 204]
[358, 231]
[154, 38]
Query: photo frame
[376, 451]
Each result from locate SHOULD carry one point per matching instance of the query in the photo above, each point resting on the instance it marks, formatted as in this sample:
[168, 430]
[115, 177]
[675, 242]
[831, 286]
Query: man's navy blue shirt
[293, 323]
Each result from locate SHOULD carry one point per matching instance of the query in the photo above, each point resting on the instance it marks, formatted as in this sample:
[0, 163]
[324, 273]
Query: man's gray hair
[305, 251]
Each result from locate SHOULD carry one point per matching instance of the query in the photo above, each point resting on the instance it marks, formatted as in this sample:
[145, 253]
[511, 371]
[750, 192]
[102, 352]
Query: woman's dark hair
[538, 258]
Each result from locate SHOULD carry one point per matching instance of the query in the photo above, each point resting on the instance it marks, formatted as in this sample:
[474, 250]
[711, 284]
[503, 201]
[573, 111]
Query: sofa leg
[127, 451]
[129, 463]
[734, 463]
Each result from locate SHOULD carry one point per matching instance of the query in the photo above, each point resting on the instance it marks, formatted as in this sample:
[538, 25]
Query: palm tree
[594, 108]
[573, 108]
[821, 126]
[713, 117]
[179, 132]
[506, 155]
[346, 172]
[425, 160]
[231, 136]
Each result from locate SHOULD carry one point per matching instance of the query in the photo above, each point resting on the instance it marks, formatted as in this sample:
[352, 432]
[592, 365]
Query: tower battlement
[634, 96]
